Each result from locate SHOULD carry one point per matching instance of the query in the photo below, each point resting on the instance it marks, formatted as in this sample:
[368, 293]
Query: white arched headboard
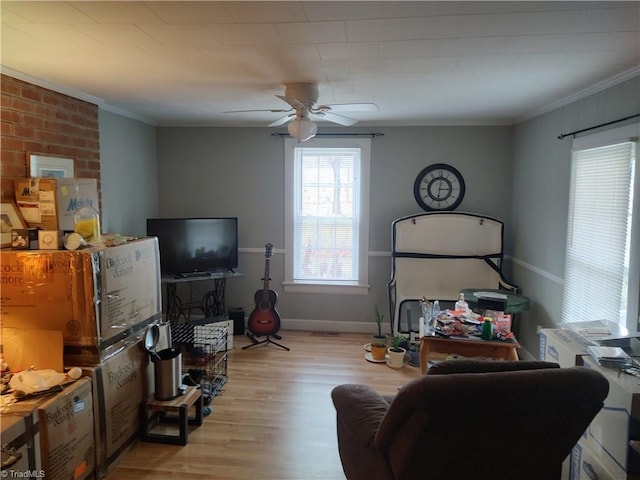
[437, 254]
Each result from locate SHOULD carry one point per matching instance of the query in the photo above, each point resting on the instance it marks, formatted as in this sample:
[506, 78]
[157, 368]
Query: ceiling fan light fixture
[302, 129]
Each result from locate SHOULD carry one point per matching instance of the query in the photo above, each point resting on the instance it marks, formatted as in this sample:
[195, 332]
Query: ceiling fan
[303, 98]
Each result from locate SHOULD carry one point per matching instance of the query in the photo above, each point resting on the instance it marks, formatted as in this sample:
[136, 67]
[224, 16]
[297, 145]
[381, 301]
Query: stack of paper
[609, 356]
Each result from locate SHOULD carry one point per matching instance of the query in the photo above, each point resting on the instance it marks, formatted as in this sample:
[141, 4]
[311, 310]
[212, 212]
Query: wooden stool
[158, 410]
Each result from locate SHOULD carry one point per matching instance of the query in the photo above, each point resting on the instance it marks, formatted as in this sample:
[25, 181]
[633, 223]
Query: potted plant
[396, 352]
[379, 339]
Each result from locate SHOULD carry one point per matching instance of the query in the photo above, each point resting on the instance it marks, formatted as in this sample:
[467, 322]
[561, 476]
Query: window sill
[326, 289]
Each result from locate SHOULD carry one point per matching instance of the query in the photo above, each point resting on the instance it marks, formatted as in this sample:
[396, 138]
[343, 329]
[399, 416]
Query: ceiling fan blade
[294, 102]
[282, 120]
[335, 118]
[272, 110]
[350, 107]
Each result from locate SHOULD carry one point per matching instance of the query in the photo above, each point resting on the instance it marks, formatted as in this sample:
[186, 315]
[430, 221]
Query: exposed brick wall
[38, 120]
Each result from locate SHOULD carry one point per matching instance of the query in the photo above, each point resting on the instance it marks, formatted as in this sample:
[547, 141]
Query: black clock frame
[417, 188]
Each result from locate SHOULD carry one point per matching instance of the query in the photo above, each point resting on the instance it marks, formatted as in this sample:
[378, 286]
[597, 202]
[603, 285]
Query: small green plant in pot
[379, 339]
[396, 352]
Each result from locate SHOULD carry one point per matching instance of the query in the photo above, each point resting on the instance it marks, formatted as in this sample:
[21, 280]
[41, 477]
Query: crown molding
[124, 113]
[99, 102]
[586, 92]
[25, 77]
[102, 104]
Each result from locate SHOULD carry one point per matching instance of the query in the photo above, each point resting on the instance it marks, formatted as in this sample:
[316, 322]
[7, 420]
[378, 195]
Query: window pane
[325, 222]
[598, 237]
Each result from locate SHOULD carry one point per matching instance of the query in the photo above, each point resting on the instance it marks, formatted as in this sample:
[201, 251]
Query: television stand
[211, 303]
[193, 275]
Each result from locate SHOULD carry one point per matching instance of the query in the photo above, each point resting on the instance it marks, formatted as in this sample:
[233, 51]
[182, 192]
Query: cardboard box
[562, 346]
[65, 423]
[50, 239]
[41, 349]
[586, 464]
[617, 423]
[120, 385]
[51, 203]
[21, 439]
[97, 297]
[66, 426]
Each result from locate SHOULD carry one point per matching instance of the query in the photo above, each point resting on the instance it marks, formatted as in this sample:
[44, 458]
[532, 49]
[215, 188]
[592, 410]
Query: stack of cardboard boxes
[87, 308]
[49, 206]
[605, 451]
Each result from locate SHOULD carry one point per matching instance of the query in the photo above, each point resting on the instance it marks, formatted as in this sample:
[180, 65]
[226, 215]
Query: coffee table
[468, 347]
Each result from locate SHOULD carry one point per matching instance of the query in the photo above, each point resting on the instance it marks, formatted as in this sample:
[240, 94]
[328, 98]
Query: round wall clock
[439, 187]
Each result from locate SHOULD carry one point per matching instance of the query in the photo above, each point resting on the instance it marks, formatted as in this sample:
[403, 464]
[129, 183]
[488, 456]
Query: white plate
[395, 366]
[369, 358]
[367, 347]
[31, 381]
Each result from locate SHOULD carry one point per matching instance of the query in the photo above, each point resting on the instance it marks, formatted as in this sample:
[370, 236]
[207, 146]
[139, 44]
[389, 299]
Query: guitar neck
[265, 288]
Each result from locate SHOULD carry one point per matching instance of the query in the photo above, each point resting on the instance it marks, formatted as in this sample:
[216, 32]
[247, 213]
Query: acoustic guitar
[265, 319]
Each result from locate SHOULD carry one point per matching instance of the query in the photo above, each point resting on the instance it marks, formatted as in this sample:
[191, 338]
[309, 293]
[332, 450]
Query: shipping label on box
[51, 203]
[20, 444]
[561, 346]
[618, 422]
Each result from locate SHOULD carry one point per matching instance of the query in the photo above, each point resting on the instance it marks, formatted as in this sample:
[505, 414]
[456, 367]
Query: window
[327, 207]
[602, 268]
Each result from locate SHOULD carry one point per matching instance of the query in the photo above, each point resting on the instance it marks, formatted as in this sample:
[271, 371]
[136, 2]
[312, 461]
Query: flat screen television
[192, 246]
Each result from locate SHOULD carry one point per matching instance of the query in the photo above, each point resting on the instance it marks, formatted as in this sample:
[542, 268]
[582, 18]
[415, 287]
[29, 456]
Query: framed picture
[41, 165]
[10, 218]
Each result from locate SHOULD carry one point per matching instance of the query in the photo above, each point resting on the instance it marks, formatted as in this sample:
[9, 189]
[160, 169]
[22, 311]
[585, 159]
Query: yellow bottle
[87, 224]
[487, 329]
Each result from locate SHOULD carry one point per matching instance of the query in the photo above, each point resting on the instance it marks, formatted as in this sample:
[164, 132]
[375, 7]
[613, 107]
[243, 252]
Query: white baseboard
[319, 325]
[346, 327]
[327, 326]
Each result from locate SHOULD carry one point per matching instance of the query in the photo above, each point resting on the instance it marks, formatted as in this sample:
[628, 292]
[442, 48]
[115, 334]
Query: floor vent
[325, 334]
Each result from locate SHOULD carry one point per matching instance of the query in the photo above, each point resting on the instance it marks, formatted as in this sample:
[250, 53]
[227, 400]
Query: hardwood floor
[274, 419]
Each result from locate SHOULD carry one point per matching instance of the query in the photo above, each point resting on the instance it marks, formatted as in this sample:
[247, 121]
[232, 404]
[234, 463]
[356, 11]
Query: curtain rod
[372, 134]
[562, 135]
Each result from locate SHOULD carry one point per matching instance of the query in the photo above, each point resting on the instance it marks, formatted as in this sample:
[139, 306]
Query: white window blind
[598, 236]
[326, 211]
[328, 229]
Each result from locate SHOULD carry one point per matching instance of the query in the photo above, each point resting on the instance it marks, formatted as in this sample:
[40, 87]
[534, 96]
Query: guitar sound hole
[265, 306]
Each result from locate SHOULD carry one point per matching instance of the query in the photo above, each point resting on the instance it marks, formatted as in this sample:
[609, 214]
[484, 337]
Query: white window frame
[632, 319]
[362, 286]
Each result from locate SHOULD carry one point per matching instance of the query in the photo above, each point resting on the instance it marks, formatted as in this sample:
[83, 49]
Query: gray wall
[541, 175]
[128, 174]
[518, 174]
[240, 172]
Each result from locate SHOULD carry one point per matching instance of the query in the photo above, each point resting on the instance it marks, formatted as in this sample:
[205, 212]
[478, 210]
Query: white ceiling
[423, 63]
